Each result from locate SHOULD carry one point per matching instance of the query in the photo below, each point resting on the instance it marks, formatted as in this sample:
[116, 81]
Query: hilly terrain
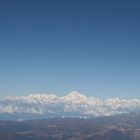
[121, 127]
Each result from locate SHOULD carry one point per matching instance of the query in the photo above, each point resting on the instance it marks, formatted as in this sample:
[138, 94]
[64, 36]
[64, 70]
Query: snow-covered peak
[76, 95]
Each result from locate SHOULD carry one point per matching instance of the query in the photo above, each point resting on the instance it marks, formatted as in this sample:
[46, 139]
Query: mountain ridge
[74, 104]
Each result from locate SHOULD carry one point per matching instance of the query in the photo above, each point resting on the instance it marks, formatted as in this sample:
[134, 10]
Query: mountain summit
[75, 93]
[75, 96]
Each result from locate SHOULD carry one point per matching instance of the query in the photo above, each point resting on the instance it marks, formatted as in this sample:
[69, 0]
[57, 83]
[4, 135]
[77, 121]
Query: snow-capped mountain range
[72, 105]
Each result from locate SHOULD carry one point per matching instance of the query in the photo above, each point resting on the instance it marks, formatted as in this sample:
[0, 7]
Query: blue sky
[63, 45]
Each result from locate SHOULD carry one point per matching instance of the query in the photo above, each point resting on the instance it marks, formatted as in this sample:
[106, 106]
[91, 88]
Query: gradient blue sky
[92, 46]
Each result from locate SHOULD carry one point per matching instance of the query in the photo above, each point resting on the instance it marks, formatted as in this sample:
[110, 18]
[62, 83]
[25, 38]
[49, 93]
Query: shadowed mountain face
[126, 127]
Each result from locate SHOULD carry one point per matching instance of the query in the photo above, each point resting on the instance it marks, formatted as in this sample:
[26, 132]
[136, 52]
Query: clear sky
[92, 46]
